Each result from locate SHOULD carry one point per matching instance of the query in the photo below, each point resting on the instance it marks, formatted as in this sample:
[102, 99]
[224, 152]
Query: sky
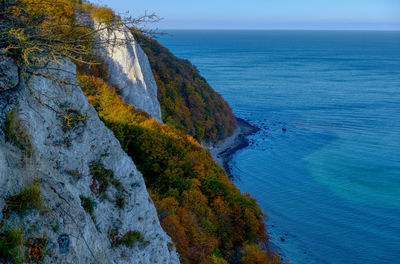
[267, 14]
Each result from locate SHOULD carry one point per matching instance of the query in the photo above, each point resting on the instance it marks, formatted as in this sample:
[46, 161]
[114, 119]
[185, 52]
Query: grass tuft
[11, 242]
[16, 133]
[28, 199]
[102, 178]
[130, 238]
[88, 205]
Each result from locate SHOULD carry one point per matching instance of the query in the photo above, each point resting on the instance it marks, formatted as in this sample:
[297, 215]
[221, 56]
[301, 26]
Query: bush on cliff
[206, 216]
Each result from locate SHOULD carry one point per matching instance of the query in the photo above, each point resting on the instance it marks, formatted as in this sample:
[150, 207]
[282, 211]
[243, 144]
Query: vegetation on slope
[187, 102]
[36, 32]
[207, 217]
[40, 31]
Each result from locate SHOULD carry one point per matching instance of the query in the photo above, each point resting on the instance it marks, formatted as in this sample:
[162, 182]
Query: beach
[223, 151]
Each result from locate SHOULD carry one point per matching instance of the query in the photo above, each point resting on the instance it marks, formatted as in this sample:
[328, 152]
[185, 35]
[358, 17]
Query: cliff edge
[129, 69]
[93, 205]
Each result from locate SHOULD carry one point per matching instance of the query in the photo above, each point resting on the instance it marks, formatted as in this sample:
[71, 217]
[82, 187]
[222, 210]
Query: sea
[330, 183]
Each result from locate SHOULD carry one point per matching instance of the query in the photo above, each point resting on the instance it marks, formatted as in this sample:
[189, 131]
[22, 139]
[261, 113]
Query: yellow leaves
[18, 33]
[68, 120]
[72, 119]
[171, 224]
[253, 254]
[110, 106]
[150, 123]
[216, 260]
[22, 41]
[196, 200]
[167, 206]
[46, 32]
[102, 14]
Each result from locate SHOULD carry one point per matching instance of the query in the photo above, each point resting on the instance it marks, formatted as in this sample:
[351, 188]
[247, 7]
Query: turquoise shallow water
[331, 183]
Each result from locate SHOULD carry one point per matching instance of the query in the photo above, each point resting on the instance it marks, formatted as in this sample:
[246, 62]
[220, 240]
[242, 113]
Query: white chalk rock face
[8, 73]
[129, 69]
[66, 157]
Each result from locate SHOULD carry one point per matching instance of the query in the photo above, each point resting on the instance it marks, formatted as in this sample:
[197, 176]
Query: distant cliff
[129, 69]
[187, 100]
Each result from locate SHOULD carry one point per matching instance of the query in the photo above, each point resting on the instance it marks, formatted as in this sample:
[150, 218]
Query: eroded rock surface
[67, 144]
[9, 78]
[129, 69]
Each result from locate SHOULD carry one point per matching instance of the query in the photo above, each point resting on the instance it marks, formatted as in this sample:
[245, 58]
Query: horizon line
[281, 29]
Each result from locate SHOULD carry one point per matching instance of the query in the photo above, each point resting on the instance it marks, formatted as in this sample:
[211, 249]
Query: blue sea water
[330, 184]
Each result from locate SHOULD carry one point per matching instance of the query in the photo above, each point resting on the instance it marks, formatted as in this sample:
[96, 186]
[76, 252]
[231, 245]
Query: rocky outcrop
[74, 158]
[129, 69]
[8, 73]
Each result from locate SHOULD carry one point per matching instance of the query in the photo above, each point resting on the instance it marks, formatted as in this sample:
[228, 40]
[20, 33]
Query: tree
[36, 32]
[253, 254]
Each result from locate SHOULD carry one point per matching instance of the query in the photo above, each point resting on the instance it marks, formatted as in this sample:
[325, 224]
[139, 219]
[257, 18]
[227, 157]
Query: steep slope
[129, 69]
[208, 218]
[187, 101]
[68, 189]
[93, 205]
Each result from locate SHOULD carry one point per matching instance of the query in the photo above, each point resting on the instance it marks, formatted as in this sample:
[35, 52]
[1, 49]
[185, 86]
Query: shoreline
[222, 152]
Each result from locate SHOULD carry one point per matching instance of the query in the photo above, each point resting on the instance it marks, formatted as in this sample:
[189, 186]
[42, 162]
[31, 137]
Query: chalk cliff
[50, 135]
[129, 69]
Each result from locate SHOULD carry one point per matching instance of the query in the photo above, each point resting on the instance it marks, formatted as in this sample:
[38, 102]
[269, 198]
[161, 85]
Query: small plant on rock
[16, 133]
[102, 178]
[36, 249]
[72, 119]
[129, 239]
[28, 199]
[56, 228]
[88, 205]
[120, 201]
[11, 242]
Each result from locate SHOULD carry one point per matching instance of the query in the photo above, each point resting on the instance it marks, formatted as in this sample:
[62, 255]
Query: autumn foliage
[40, 31]
[208, 218]
[187, 102]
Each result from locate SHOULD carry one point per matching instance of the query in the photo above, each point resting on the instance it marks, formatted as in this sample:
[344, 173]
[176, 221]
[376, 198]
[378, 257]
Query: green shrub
[16, 133]
[56, 228]
[11, 242]
[121, 201]
[28, 199]
[88, 205]
[130, 238]
[102, 178]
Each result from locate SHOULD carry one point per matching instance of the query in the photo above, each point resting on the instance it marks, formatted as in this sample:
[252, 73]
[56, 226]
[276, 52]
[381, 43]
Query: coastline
[222, 152]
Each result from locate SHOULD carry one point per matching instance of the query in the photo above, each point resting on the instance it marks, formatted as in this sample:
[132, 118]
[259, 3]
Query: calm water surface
[331, 183]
